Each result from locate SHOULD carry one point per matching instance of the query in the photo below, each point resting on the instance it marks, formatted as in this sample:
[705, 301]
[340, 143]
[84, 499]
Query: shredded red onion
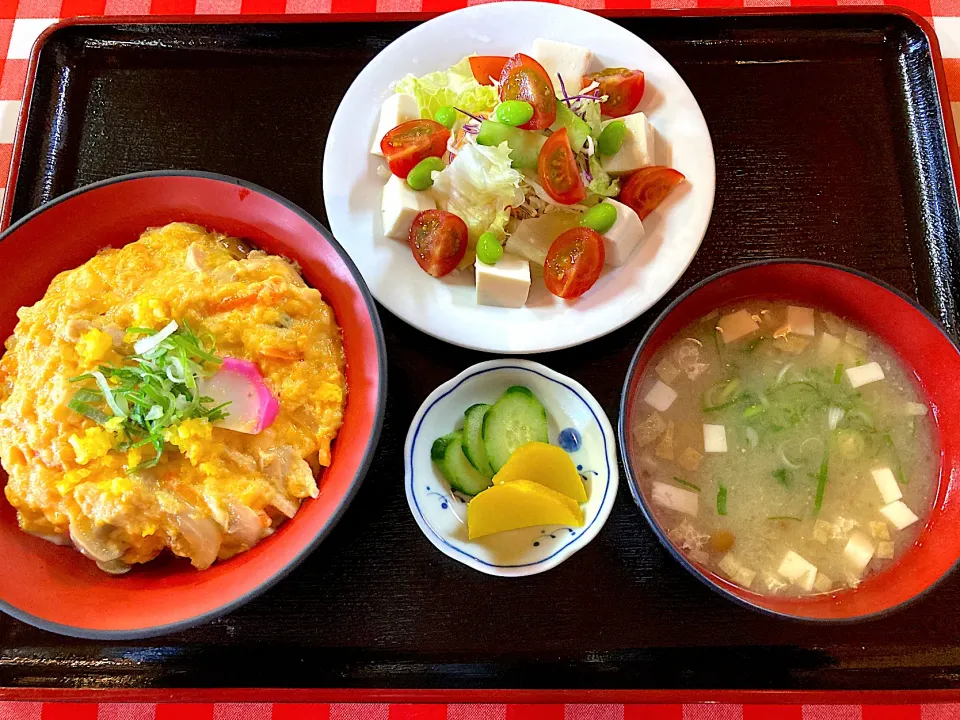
[471, 129]
[563, 88]
[478, 119]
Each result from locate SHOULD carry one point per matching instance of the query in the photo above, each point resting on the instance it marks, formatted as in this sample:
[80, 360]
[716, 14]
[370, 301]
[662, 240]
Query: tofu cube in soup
[737, 325]
[829, 344]
[800, 320]
[400, 205]
[570, 62]
[714, 438]
[674, 498]
[859, 551]
[638, 149]
[795, 568]
[887, 484]
[661, 396]
[899, 514]
[505, 284]
[622, 239]
[397, 109]
[864, 374]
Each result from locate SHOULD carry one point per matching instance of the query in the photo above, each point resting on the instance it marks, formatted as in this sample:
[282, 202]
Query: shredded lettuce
[455, 86]
[589, 110]
[480, 187]
[602, 184]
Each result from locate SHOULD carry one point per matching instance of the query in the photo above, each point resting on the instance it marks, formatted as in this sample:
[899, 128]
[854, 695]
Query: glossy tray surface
[830, 144]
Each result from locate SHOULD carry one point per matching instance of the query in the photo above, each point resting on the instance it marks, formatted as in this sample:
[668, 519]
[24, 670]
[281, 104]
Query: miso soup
[784, 449]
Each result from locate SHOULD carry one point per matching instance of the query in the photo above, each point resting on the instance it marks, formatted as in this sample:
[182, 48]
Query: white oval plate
[442, 515]
[447, 308]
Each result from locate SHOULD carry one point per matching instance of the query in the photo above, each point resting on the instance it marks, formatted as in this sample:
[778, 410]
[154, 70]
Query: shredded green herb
[897, 465]
[784, 517]
[688, 484]
[722, 500]
[838, 374]
[153, 390]
[753, 411]
[821, 478]
[782, 476]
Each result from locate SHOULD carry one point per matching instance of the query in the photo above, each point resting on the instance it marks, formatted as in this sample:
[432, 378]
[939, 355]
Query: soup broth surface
[784, 449]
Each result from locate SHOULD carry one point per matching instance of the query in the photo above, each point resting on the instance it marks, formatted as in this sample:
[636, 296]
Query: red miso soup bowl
[55, 588]
[924, 349]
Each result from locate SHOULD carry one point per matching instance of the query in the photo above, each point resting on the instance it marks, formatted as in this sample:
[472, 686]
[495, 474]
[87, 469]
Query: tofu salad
[523, 166]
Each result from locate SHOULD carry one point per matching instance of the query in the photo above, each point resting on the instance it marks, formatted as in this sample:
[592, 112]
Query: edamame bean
[611, 138]
[514, 112]
[600, 217]
[446, 116]
[489, 249]
[420, 177]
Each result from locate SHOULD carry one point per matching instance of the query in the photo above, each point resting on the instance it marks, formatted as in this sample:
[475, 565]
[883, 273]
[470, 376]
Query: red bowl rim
[640, 500]
[155, 630]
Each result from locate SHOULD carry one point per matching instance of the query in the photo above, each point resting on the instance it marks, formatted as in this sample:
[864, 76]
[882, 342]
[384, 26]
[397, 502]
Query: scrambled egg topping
[215, 492]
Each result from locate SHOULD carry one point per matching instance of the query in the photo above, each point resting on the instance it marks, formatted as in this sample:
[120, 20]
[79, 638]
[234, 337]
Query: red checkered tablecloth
[22, 21]
[354, 711]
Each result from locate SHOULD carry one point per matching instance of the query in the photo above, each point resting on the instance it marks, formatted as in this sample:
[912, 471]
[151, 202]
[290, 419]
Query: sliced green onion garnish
[87, 410]
[157, 389]
[722, 500]
[897, 465]
[821, 477]
[687, 484]
[838, 374]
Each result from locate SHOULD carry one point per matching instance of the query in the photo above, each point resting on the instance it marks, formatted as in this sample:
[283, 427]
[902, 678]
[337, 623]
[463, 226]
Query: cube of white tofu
[661, 396]
[916, 409]
[899, 514]
[571, 62]
[798, 570]
[822, 583]
[737, 325]
[714, 438]
[400, 205]
[859, 551]
[621, 240]
[674, 498]
[800, 320]
[732, 568]
[829, 344]
[887, 484]
[505, 284]
[864, 374]
[637, 150]
[396, 109]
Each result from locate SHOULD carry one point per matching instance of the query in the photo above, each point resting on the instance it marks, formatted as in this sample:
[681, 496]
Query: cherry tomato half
[438, 240]
[647, 187]
[523, 78]
[486, 67]
[573, 262]
[408, 143]
[623, 88]
[558, 171]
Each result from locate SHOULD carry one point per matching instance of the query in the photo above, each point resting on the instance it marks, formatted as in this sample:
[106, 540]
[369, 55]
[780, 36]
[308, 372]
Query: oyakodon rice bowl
[182, 392]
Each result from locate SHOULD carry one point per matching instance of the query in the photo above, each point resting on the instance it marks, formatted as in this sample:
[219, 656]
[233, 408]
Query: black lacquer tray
[830, 144]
